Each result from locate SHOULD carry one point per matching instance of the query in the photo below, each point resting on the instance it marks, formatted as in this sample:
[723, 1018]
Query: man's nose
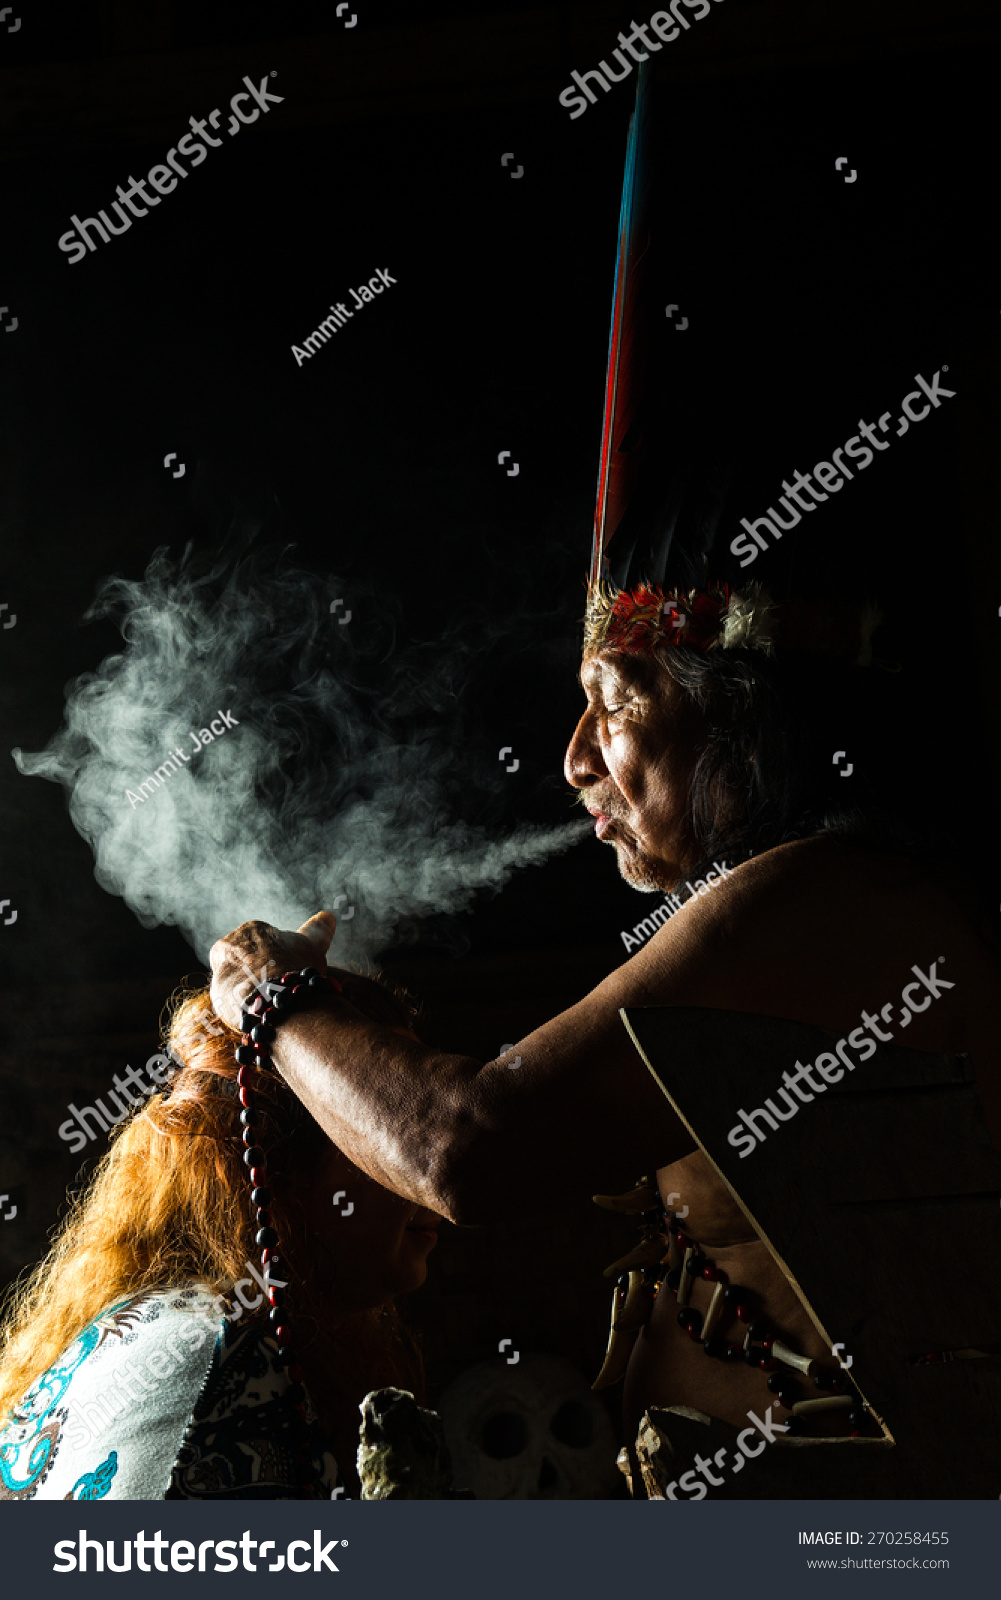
[583, 764]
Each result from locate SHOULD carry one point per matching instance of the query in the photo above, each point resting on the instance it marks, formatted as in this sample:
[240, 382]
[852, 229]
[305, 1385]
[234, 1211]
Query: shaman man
[708, 741]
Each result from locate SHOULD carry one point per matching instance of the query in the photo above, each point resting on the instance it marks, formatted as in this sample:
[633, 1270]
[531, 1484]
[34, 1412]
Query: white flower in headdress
[749, 623]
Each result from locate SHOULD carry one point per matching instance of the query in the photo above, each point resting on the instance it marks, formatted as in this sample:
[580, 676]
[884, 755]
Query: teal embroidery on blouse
[97, 1483]
[29, 1441]
[27, 1435]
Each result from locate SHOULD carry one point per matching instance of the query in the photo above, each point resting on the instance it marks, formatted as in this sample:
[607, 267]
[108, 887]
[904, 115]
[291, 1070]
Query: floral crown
[647, 618]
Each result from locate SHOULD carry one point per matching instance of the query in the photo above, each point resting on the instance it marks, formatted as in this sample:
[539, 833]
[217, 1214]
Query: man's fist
[257, 952]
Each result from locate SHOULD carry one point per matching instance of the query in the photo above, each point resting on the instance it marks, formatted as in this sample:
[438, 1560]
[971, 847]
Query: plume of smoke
[343, 785]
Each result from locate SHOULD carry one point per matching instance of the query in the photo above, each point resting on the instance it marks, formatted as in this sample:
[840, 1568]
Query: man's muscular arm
[812, 931]
[472, 1140]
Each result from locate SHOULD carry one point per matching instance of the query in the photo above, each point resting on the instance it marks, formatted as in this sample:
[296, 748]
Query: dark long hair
[768, 773]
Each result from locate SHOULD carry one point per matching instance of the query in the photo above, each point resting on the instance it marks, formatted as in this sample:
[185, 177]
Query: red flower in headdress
[641, 619]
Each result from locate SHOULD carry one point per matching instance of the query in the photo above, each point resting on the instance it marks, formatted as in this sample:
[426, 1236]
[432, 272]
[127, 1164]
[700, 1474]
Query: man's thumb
[320, 930]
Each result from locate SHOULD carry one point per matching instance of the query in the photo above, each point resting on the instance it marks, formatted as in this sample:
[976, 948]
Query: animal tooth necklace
[666, 1257]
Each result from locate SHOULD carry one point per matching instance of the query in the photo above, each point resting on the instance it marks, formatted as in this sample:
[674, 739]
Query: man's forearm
[574, 1111]
[402, 1113]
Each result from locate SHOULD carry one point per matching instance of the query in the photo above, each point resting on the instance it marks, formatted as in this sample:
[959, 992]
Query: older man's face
[632, 757]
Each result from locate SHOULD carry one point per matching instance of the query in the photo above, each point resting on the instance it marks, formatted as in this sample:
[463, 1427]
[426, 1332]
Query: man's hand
[257, 952]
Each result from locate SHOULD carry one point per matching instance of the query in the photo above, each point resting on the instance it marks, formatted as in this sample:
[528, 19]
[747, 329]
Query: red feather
[627, 348]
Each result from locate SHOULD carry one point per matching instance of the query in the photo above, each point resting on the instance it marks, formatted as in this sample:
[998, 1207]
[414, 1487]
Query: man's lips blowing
[602, 821]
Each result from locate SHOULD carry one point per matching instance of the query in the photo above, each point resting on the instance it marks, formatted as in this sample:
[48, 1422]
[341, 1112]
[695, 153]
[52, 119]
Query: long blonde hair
[169, 1204]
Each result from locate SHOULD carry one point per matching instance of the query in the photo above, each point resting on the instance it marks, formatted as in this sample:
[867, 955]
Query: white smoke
[348, 775]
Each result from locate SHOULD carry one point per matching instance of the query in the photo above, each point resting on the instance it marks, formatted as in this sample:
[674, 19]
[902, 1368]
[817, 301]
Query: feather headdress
[658, 587]
[649, 617]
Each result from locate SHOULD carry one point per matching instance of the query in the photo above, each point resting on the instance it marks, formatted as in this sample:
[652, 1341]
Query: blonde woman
[141, 1359]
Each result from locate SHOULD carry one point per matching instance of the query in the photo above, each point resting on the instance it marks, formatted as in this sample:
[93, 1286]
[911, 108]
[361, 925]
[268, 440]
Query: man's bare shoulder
[805, 882]
[824, 863]
[821, 884]
[807, 930]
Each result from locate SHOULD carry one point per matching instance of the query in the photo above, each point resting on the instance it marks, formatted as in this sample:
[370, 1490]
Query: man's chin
[644, 873]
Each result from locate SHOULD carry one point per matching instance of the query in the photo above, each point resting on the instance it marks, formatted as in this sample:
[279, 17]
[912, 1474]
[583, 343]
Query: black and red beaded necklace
[293, 992]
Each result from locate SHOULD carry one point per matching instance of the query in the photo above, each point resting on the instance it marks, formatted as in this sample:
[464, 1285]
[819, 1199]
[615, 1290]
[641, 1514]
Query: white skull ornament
[532, 1431]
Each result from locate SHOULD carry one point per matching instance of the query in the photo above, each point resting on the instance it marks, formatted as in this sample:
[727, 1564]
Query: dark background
[811, 303]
